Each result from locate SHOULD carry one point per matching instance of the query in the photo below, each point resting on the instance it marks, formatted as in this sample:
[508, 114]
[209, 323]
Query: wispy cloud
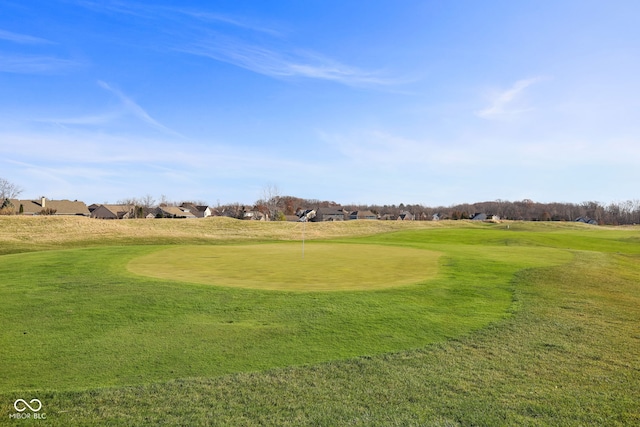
[237, 22]
[71, 162]
[381, 150]
[504, 103]
[132, 107]
[22, 64]
[86, 120]
[175, 15]
[279, 63]
[22, 38]
[259, 48]
[117, 8]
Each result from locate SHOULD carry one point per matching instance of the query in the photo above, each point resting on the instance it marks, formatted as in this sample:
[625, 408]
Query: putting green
[284, 266]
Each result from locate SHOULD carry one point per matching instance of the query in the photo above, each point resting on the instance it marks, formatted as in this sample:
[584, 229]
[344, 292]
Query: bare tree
[147, 201]
[8, 190]
[164, 201]
[130, 205]
[271, 199]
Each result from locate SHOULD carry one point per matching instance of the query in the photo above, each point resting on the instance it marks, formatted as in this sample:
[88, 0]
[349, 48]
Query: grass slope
[568, 355]
[22, 233]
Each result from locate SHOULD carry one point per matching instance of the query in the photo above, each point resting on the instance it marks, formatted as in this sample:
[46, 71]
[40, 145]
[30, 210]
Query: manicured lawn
[78, 318]
[531, 324]
[291, 266]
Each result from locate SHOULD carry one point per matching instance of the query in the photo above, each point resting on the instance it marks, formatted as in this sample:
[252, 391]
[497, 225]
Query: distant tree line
[619, 213]
[277, 207]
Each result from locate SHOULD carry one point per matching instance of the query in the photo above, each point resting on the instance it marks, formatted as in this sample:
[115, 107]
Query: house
[173, 212]
[329, 214]
[254, 215]
[50, 207]
[389, 217]
[305, 215]
[406, 216]
[362, 215]
[586, 220]
[107, 211]
[435, 217]
[111, 212]
[478, 217]
[197, 211]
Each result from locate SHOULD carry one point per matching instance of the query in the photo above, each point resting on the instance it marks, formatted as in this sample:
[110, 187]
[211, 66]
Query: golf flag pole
[305, 218]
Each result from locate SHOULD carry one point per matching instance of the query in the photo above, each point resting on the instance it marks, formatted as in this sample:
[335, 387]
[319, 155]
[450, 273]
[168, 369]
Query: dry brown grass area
[22, 232]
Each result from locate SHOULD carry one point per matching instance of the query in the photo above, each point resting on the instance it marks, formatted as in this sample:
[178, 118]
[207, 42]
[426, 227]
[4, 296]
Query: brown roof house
[198, 211]
[50, 207]
[406, 216]
[112, 212]
[173, 212]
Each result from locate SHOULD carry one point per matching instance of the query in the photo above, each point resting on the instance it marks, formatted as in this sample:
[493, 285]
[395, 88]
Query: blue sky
[385, 102]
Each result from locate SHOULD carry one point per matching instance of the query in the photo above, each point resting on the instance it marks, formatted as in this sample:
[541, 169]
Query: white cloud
[192, 32]
[80, 149]
[85, 165]
[87, 120]
[22, 38]
[34, 64]
[235, 21]
[175, 15]
[132, 107]
[383, 150]
[505, 103]
[280, 63]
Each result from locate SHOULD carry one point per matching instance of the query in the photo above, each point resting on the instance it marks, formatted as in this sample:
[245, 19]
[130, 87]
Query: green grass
[531, 325]
[291, 267]
[78, 319]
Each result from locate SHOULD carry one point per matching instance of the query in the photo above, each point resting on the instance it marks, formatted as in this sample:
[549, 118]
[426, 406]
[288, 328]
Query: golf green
[291, 266]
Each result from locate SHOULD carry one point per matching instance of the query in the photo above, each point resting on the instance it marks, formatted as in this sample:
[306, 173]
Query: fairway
[124, 315]
[284, 266]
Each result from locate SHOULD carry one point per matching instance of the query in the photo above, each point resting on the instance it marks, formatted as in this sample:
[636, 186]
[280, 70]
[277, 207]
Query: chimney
[42, 202]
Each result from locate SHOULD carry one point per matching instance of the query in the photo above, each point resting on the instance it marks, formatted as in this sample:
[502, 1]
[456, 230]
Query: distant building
[479, 217]
[586, 220]
[329, 214]
[111, 211]
[50, 207]
[406, 216]
[197, 211]
[362, 215]
[173, 212]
